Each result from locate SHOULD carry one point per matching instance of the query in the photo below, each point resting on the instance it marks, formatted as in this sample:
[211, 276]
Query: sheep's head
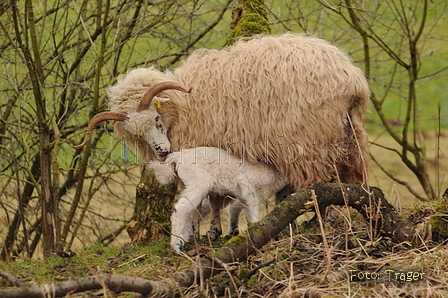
[145, 123]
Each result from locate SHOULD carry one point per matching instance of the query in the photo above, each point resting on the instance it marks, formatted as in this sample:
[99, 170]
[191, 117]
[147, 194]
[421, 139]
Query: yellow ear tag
[158, 104]
[113, 122]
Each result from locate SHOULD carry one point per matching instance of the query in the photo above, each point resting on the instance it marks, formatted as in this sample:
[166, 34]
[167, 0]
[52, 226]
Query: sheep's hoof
[213, 235]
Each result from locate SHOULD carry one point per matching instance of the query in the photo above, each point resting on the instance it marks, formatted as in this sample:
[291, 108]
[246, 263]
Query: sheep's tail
[164, 171]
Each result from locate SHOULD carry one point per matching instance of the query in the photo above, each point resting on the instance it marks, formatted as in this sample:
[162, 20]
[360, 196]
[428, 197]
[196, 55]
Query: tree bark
[154, 202]
[114, 283]
[249, 17]
[369, 202]
[27, 38]
[17, 220]
[153, 208]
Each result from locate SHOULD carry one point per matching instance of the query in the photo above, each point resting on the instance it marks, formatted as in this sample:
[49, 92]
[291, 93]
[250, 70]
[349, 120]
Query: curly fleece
[293, 101]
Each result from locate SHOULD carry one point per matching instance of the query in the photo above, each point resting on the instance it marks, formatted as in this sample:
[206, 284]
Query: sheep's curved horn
[97, 119]
[156, 89]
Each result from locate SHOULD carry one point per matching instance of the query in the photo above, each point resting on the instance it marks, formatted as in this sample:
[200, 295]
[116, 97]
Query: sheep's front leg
[182, 229]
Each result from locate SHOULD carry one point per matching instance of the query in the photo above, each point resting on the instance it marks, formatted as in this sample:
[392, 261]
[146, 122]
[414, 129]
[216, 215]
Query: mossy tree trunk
[438, 223]
[249, 17]
[153, 208]
[154, 202]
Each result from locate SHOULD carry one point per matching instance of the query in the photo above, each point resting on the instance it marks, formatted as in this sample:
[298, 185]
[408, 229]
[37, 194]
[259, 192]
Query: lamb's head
[144, 123]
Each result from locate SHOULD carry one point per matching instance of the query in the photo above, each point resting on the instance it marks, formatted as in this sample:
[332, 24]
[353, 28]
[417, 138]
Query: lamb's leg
[235, 208]
[204, 211]
[189, 202]
[283, 194]
[216, 203]
[195, 223]
[252, 204]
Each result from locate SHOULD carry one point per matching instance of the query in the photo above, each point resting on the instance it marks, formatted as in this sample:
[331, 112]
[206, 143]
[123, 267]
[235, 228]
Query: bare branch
[383, 216]
[391, 176]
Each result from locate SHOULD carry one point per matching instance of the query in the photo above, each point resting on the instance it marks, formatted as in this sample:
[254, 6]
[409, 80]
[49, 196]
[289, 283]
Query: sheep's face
[148, 125]
[139, 120]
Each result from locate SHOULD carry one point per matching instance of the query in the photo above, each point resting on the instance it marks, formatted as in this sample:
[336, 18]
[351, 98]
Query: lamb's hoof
[179, 246]
[233, 233]
[213, 235]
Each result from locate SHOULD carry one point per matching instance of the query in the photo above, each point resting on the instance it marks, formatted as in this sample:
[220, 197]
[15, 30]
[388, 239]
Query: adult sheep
[292, 101]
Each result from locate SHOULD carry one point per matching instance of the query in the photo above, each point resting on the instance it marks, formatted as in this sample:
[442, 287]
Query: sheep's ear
[157, 101]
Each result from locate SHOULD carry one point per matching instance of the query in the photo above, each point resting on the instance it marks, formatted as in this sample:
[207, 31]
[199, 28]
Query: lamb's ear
[157, 101]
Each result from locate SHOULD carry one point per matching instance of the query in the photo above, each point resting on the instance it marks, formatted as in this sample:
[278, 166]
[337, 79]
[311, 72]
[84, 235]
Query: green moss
[251, 24]
[255, 6]
[242, 275]
[236, 240]
[439, 221]
[249, 18]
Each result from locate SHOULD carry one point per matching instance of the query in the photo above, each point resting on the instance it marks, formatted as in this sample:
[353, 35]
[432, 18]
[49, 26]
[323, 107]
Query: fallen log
[370, 202]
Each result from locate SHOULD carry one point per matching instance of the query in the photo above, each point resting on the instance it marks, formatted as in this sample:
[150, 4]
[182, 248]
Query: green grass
[301, 263]
[93, 260]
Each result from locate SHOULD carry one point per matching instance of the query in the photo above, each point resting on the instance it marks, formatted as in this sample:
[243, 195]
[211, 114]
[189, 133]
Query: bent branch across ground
[369, 201]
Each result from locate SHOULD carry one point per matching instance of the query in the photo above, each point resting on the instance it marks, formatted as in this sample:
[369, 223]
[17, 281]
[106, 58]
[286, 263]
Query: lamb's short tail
[164, 172]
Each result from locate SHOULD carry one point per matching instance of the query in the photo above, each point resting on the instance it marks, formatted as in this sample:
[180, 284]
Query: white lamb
[204, 170]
